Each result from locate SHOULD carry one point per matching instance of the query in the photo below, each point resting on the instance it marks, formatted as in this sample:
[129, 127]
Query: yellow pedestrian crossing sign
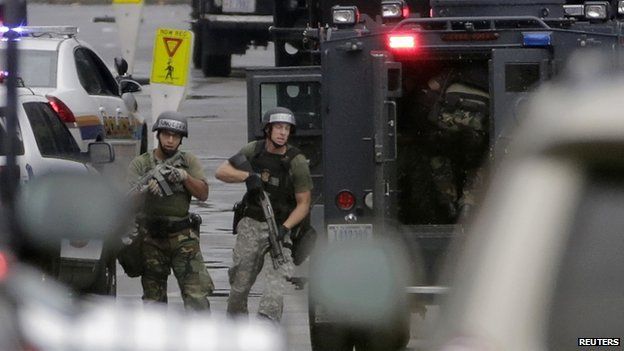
[172, 53]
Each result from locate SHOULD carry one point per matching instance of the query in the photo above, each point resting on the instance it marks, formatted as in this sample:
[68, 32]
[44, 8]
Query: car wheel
[144, 139]
[216, 65]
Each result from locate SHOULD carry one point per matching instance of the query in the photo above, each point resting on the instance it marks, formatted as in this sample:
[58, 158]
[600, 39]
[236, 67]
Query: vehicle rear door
[359, 141]
[298, 89]
[386, 86]
[514, 73]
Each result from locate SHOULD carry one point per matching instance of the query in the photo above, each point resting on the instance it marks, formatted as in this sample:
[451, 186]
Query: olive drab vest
[274, 170]
[176, 205]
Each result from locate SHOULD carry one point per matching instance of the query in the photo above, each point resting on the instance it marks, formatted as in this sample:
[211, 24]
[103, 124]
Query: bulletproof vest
[176, 205]
[274, 171]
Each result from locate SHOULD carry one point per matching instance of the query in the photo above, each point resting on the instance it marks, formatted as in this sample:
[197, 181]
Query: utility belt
[161, 227]
[242, 209]
[254, 213]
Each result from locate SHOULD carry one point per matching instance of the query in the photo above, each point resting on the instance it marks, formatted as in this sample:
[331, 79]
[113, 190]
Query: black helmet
[279, 115]
[171, 121]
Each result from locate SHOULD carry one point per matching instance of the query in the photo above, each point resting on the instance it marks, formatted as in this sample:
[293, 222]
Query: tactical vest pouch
[196, 221]
[304, 240]
[130, 258]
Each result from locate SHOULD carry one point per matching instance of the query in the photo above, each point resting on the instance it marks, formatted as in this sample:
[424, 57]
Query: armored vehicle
[299, 25]
[410, 111]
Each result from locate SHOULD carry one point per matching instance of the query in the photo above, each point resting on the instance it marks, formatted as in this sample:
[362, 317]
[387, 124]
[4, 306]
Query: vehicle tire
[106, 281]
[144, 139]
[324, 334]
[327, 336]
[394, 336]
[216, 65]
[197, 47]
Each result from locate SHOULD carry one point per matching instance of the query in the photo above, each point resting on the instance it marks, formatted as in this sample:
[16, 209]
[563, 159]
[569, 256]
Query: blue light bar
[536, 39]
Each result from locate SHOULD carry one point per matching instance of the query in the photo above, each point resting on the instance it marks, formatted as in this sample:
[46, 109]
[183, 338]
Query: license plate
[344, 232]
[244, 6]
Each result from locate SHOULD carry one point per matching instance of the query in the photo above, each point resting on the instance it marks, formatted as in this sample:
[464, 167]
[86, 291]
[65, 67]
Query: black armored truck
[300, 25]
[401, 116]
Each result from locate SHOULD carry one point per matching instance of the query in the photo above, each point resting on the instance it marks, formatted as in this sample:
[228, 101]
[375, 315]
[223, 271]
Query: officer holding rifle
[168, 234]
[270, 168]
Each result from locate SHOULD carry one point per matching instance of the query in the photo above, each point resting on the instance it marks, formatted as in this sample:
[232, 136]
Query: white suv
[45, 146]
[81, 88]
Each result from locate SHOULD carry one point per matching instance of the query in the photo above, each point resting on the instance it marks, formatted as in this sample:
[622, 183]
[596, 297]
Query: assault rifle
[241, 162]
[159, 172]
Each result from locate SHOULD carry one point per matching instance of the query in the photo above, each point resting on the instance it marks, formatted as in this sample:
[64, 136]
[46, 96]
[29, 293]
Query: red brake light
[406, 11]
[62, 110]
[345, 200]
[402, 42]
[4, 266]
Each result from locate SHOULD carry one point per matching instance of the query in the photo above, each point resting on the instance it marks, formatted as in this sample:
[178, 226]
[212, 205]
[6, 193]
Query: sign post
[170, 70]
[128, 18]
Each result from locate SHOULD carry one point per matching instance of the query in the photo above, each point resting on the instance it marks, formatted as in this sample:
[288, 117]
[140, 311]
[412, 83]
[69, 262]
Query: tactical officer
[282, 171]
[170, 241]
[459, 135]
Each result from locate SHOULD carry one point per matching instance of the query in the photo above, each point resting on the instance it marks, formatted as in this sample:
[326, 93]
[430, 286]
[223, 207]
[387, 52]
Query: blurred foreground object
[542, 267]
[41, 316]
[67, 234]
[360, 285]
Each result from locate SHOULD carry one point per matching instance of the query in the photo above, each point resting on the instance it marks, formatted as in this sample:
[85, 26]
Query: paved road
[217, 107]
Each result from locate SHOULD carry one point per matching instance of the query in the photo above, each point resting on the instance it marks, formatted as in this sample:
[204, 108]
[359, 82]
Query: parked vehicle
[55, 63]
[223, 28]
[379, 114]
[45, 146]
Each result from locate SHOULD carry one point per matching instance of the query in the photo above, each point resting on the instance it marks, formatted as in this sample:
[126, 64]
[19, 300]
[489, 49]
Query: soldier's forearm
[227, 173]
[197, 187]
[297, 215]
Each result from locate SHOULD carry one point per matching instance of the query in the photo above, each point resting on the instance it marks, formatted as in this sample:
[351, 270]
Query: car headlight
[391, 9]
[574, 10]
[596, 10]
[345, 14]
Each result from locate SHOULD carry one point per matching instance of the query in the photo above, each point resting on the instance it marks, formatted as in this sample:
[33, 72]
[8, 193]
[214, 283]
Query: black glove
[253, 183]
[282, 232]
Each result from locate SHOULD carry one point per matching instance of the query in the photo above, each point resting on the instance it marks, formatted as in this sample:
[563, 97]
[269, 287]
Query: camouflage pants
[445, 180]
[250, 255]
[180, 252]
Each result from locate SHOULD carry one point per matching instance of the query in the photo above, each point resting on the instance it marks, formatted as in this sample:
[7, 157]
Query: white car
[81, 88]
[45, 146]
[542, 267]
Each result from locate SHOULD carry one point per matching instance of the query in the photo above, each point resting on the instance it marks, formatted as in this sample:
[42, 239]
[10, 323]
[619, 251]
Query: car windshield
[37, 67]
[3, 136]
